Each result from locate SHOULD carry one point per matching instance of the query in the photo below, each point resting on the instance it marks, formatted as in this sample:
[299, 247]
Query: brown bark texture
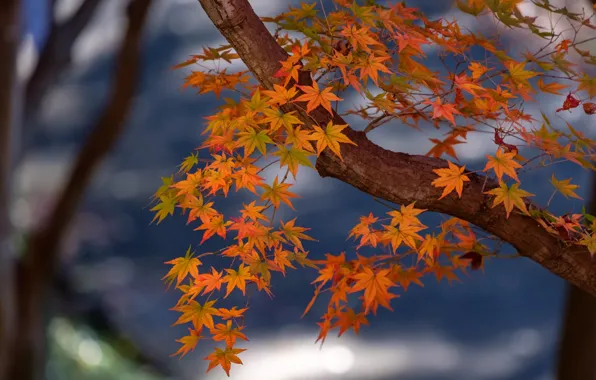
[398, 177]
[577, 342]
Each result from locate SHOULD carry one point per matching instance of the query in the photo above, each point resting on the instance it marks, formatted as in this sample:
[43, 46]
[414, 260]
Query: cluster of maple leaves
[378, 51]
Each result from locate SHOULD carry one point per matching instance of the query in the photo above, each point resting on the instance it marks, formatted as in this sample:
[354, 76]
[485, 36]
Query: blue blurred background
[500, 324]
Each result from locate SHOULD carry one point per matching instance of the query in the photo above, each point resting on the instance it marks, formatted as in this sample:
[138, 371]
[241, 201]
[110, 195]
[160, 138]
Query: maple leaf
[375, 286]
[406, 215]
[551, 88]
[406, 277]
[248, 178]
[276, 118]
[349, 319]
[443, 110]
[189, 342]
[278, 192]
[294, 233]
[281, 259]
[237, 279]
[330, 138]
[371, 65]
[199, 315]
[253, 212]
[316, 97]
[164, 208]
[215, 225]
[589, 240]
[463, 82]
[445, 146]
[211, 281]
[518, 74]
[227, 333]
[451, 178]
[252, 139]
[565, 187]
[280, 95]
[224, 358]
[503, 163]
[234, 312]
[359, 37]
[182, 266]
[292, 158]
[477, 69]
[404, 233]
[188, 163]
[510, 196]
[189, 185]
[443, 271]
[588, 83]
[429, 248]
[198, 209]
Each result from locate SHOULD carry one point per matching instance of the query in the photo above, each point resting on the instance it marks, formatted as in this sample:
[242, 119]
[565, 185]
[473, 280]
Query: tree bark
[398, 177]
[37, 268]
[577, 343]
[9, 43]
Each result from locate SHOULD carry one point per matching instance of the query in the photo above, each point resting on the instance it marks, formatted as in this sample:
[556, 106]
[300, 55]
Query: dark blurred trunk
[39, 264]
[577, 347]
[9, 43]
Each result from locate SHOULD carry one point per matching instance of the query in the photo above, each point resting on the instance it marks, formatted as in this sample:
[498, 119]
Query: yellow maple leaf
[330, 138]
[510, 196]
[189, 342]
[451, 178]
[565, 187]
[278, 192]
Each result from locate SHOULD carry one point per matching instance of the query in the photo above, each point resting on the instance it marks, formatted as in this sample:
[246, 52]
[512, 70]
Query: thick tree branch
[399, 177]
[42, 255]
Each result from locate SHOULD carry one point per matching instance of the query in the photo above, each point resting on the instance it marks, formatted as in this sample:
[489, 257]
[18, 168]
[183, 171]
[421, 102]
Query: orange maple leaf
[224, 358]
[182, 266]
[451, 178]
[189, 342]
[237, 279]
[503, 163]
[199, 315]
[228, 333]
[316, 97]
[375, 286]
[443, 110]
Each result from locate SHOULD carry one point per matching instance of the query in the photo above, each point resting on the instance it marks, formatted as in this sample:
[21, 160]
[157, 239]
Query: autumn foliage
[377, 52]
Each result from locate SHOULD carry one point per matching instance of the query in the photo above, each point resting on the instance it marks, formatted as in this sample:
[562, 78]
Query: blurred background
[97, 116]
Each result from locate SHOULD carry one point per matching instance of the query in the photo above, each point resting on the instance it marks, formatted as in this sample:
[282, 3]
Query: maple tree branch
[37, 267]
[398, 177]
